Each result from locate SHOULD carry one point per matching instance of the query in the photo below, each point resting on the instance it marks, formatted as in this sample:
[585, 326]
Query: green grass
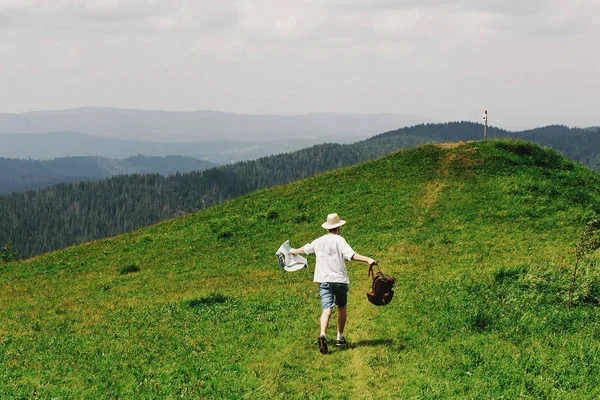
[481, 239]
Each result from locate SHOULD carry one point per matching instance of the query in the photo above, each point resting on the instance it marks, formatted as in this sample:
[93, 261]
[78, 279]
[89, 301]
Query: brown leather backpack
[382, 292]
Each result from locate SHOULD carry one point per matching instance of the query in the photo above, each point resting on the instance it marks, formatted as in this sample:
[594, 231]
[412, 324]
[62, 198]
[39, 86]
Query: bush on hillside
[210, 299]
[589, 243]
[508, 274]
[129, 269]
[7, 254]
[532, 154]
[588, 289]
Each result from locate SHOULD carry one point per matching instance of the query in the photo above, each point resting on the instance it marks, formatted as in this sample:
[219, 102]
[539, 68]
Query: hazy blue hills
[168, 126]
[45, 146]
[18, 174]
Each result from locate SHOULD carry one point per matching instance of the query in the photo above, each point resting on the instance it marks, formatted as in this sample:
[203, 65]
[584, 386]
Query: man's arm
[368, 260]
[297, 251]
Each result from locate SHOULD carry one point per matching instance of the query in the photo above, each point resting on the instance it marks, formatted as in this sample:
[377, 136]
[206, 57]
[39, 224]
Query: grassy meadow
[480, 237]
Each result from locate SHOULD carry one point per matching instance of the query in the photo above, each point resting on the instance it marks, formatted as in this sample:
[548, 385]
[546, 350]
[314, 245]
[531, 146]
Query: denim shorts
[329, 290]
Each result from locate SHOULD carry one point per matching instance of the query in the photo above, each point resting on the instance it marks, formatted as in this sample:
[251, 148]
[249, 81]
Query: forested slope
[20, 174]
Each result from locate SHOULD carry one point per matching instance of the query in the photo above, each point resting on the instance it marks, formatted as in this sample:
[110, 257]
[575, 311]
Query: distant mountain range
[18, 175]
[202, 126]
[45, 146]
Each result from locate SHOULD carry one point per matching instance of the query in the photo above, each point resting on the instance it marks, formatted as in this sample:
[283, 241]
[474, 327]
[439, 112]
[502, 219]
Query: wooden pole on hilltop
[485, 119]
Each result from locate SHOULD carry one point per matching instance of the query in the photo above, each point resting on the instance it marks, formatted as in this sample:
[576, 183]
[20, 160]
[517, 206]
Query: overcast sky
[527, 61]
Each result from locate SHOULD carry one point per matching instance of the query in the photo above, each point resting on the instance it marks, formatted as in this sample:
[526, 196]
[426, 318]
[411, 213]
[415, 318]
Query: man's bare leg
[325, 315]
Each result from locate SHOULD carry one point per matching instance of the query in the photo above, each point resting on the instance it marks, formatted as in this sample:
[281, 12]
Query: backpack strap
[371, 273]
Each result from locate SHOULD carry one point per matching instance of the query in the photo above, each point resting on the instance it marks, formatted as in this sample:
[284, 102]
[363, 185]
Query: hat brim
[326, 225]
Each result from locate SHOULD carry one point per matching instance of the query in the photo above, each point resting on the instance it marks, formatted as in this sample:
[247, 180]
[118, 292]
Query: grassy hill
[479, 235]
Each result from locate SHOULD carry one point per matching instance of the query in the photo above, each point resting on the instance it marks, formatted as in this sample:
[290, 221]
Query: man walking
[330, 272]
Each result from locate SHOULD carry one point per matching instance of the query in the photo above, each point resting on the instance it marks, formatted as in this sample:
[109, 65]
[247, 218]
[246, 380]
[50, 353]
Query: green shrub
[7, 254]
[225, 235]
[129, 269]
[212, 298]
[480, 321]
[503, 274]
[589, 242]
[588, 288]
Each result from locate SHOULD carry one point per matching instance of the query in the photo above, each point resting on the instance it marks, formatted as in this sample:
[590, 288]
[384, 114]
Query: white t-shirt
[331, 250]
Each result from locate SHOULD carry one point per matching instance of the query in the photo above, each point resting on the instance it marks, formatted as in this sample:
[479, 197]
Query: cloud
[213, 15]
[297, 19]
[435, 24]
[121, 15]
[550, 17]
[281, 19]
[555, 19]
[9, 5]
[505, 7]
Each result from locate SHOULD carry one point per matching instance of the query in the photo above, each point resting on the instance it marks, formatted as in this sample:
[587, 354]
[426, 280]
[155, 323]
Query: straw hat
[333, 221]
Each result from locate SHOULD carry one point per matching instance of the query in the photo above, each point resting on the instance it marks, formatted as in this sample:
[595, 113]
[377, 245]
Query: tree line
[19, 174]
